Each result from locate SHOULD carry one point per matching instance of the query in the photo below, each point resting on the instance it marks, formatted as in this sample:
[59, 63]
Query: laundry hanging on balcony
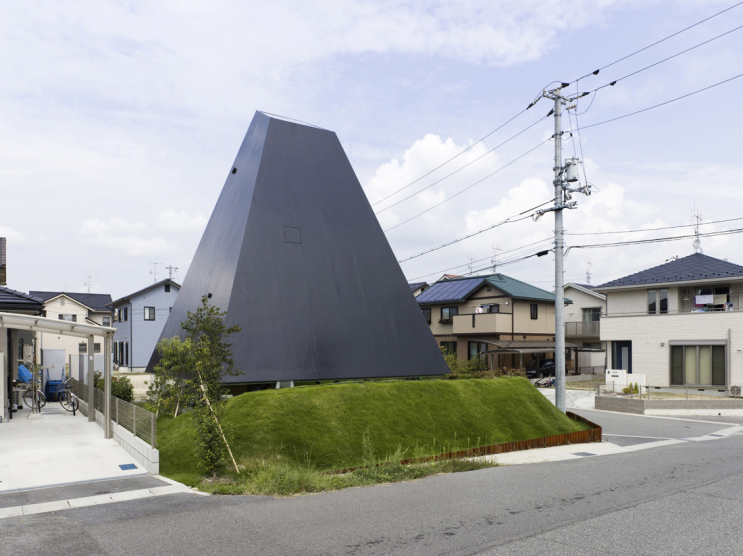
[704, 299]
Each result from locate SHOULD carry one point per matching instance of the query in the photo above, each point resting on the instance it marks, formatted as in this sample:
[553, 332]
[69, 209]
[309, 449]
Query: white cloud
[118, 233]
[13, 236]
[180, 221]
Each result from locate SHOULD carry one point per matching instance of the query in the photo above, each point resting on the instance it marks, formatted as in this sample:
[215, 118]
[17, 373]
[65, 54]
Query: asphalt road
[680, 499]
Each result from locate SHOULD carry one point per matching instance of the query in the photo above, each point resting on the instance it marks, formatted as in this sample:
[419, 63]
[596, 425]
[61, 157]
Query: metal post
[117, 410]
[559, 293]
[91, 380]
[152, 430]
[134, 420]
[107, 387]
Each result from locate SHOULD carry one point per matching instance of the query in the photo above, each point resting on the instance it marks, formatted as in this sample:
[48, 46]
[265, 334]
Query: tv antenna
[589, 264]
[88, 284]
[153, 272]
[496, 248]
[697, 217]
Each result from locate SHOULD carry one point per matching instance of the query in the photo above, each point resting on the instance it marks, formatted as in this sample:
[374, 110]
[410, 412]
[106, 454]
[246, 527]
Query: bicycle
[32, 396]
[67, 398]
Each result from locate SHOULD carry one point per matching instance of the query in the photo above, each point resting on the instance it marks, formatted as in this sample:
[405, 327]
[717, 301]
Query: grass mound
[333, 426]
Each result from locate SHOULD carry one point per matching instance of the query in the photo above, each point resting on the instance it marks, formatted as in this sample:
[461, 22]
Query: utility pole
[171, 268]
[564, 175]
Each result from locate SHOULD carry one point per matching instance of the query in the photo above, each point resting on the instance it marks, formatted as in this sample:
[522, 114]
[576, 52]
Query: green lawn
[325, 425]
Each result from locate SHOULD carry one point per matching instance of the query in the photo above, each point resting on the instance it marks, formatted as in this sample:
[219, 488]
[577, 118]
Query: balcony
[590, 329]
[483, 323]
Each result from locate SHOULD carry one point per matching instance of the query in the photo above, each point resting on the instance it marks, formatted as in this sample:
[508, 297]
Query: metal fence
[595, 370]
[138, 421]
[587, 328]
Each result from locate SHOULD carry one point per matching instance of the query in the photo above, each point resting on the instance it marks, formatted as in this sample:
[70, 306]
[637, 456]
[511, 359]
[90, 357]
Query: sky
[119, 122]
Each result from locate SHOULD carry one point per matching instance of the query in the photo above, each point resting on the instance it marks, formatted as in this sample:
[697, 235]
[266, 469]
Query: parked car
[539, 369]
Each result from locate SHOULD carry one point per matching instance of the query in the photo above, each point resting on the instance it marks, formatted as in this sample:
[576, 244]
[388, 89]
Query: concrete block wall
[732, 407]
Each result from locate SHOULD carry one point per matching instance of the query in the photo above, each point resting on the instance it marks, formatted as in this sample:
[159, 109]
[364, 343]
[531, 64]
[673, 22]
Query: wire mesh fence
[138, 421]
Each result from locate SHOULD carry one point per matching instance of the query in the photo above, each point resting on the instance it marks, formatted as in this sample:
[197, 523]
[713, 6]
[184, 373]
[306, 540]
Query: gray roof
[96, 301]
[693, 267]
[459, 289]
[415, 285]
[12, 299]
[148, 288]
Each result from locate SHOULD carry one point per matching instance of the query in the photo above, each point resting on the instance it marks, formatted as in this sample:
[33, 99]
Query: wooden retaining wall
[581, 437]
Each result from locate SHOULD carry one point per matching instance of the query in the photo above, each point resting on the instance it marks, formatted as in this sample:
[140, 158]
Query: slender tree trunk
[208, 403]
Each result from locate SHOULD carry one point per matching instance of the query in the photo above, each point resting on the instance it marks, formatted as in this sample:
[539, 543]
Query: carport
[15, 321]
[521, 347]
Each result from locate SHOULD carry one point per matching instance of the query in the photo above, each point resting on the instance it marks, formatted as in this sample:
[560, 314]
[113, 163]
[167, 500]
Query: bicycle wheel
[28, 396]
[67, 400]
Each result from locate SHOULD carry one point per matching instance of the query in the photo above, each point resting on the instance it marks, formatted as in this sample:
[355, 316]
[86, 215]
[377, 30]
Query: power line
[460, 169]
[596, 72]
[506, 221]
[662, 103]
[452, 158]
[612, 83]
[651, 229]
[483, 259]
[469, 186]
[656, 240]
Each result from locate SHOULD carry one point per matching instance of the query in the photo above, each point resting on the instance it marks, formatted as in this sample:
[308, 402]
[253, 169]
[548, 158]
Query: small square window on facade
[427, 314]
[106, 321]
[83, 347]
[534, 311]
[292, 235]
[96, 347]
[149, 313]
[167, 288]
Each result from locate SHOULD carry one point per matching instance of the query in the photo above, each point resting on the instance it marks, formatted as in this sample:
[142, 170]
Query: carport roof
[54, 326]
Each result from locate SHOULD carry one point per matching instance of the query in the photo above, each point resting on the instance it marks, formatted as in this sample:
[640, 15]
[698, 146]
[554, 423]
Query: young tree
[194, 369]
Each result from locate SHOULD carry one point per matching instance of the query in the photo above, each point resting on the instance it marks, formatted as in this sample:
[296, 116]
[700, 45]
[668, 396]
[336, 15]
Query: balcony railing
[483, 323]
[590, 328]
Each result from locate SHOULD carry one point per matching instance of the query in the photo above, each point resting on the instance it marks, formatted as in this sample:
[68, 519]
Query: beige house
[583, 327]
[467, 315]
[680, 323]
[61, 350]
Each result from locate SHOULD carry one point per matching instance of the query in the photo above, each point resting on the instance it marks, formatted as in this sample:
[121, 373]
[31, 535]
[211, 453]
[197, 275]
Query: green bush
[121, 387]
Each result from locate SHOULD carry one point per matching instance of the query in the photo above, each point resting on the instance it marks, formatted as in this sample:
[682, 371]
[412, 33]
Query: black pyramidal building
[294, 253]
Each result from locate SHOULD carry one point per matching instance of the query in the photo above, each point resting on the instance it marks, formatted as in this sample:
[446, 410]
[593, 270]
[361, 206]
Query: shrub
[121, 387]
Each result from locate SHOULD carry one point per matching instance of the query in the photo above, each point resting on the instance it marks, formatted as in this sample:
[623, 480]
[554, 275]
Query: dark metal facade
[294, 253]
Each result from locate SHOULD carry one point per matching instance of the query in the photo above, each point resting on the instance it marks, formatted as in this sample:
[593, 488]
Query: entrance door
[622, 356]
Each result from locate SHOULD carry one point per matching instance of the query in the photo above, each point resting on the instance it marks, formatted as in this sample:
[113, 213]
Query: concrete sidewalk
[58, 449]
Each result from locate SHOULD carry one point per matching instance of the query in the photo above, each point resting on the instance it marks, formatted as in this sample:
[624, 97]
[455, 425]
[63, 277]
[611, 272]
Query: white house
[58, 349]
[583, 327]
[680, 323]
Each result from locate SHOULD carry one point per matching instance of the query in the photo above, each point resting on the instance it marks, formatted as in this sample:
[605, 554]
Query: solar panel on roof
[453, 290]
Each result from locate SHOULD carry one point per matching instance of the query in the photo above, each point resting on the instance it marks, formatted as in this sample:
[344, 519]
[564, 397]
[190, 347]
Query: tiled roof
[459, 289]
[14, 298]
[96, 301]
[415, 285]
[693, 267]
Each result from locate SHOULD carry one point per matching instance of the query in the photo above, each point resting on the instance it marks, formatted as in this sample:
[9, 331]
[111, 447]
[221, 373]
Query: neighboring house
[13, 343]
[139, 319]
[418, 287]
[58, 350]
[679, 323]
[467, 315]
[583, 327]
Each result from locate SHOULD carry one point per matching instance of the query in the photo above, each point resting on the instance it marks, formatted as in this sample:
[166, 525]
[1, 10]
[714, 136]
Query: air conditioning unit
[735, 391]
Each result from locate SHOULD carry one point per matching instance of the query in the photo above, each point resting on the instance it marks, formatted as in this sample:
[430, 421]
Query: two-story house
[583, 327]
[679, 323]
[139, 319]
[472, 315]
[60, 350]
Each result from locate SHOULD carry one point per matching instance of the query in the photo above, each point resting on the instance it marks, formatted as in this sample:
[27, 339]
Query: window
[126, 354]
[43, 313]
[149, 313]
[97, 347]
[427, 314]
[592, 314]
[658, 301]
[592, 345]
[448, 313]
[449, 348]
[712, 299]
[82, 347]
[116, 352]
[126, 313]
[167, 288]
[70, 318]
[62, 302]
[106, 321]
[488, 309]
[121, 353]
[651, 302]
[534, 311]
[475, 348]
[698, 365]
